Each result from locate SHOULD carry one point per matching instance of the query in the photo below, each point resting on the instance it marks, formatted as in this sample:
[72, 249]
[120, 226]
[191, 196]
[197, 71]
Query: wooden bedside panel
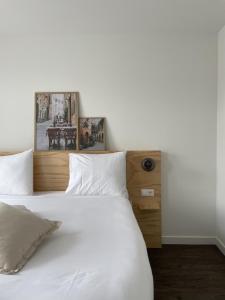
[146, 202]
[150, 225]
[146, 209]
[137, 177]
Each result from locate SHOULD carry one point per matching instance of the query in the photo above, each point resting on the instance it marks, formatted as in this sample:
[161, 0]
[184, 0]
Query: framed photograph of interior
[92, 133]
[56, 121]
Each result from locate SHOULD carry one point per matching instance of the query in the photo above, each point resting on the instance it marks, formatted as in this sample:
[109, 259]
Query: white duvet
[97, 254]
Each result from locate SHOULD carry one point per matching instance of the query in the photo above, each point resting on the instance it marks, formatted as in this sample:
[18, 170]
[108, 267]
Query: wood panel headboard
[51, 173]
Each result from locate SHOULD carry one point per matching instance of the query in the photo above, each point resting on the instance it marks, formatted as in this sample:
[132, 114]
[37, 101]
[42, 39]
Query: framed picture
[92, 133]
[56, 120]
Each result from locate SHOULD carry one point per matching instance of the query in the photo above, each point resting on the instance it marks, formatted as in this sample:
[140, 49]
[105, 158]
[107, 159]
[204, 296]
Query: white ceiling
[110, 16]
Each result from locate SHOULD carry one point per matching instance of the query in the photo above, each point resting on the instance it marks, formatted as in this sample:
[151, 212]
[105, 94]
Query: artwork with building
[92, 133]
[56, 126]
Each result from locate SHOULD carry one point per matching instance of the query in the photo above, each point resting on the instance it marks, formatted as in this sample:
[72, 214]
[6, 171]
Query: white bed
[97, 254]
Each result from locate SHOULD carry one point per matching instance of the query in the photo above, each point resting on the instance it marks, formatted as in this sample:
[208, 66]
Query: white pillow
[97, 174]
[16, 174]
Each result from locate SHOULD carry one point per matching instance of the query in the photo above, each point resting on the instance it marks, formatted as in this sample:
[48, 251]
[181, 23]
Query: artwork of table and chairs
[62, 138]
[58, 126]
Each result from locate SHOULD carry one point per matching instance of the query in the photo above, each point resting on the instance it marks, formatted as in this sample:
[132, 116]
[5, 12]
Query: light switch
[147, 192]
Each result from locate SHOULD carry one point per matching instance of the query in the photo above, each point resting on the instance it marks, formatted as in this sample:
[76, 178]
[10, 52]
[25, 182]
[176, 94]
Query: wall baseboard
[194, 240]
[189, 240]
[220, 245]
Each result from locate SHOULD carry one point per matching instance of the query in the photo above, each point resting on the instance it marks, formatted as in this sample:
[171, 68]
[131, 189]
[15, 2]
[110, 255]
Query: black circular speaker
[148, 164]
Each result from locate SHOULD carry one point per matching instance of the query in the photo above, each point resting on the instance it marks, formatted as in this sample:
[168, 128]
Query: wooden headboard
[51, 173]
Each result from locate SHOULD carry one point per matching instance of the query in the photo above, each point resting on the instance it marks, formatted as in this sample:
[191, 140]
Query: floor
[188, 272]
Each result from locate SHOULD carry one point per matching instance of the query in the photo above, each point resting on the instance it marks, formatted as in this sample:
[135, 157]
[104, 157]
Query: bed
[97, 254]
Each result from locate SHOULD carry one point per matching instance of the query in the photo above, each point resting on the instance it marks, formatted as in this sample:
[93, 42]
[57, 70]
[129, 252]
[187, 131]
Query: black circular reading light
[148, 164]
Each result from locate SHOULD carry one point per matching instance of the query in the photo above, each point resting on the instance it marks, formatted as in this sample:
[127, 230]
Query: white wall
[220, 205]
[157, 92]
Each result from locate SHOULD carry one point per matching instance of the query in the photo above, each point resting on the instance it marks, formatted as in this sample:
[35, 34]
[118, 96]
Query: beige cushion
[21, 232]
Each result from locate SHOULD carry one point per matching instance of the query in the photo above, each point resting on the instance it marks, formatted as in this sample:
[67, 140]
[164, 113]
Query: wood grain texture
[147, 209]
[51, 173]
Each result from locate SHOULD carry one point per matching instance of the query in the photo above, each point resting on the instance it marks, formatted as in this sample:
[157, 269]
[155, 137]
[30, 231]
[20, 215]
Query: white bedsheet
[97, 254]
